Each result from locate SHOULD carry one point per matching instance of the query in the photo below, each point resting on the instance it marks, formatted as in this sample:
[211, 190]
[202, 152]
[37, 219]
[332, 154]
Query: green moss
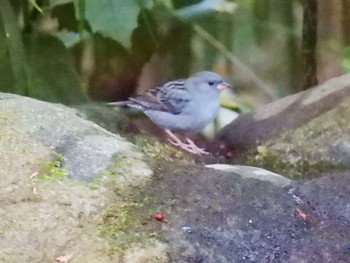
[298, 169]
[123, 161]
[108, 174]
[114, 222]
[157, 150]
[306, 151]
[122, 225]
[52, 170]
[130, 220]
[125, 225]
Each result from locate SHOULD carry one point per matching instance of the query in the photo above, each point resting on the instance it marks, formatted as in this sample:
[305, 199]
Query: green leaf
[114, 18]
[52, 75]
[7, 78]
[59, 2]
[17, 61]
[346, 59]
[33, 2]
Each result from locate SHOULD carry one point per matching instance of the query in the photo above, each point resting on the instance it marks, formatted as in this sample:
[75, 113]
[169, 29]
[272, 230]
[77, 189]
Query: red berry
[229, 154]
[159, 217]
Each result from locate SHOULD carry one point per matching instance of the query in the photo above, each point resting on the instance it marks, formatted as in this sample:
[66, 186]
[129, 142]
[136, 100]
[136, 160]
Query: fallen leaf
[63, 259]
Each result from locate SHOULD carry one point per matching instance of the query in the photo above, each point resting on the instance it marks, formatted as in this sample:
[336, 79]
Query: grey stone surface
[45, 216]
[301, 135]
[237, 219]
[291, 112]
[86, 147]
[253, 172]
[107, 214]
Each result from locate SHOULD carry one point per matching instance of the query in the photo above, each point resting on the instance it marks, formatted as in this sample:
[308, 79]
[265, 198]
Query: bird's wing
[173, 95]
[170, 97]
[142, 102]
[146, 102]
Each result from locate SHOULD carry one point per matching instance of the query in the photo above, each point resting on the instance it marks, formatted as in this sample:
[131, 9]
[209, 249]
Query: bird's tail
[126, 103]
[119, 103]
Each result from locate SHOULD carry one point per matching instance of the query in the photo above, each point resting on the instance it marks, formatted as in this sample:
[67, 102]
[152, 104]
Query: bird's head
[208, 82]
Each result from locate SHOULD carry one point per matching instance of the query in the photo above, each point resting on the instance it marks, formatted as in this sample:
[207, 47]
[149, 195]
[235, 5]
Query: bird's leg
[174, 139]
[177, 142]
[190, 146]
[195, 147]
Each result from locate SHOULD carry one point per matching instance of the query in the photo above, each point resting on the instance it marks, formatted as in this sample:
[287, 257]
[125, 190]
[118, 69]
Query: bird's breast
[193, 118]
[204, 114]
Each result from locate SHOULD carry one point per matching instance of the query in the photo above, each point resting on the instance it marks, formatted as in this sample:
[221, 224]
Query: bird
[182, 106]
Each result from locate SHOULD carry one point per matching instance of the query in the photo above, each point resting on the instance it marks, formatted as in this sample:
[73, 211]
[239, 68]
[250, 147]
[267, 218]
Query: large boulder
[58, 176]
[299, 135]
[74, 192]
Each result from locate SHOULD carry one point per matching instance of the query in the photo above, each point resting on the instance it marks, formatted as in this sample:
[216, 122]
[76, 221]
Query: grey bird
[182, 105]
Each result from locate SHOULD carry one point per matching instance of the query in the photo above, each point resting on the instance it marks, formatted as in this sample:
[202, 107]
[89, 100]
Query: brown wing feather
[171, 97]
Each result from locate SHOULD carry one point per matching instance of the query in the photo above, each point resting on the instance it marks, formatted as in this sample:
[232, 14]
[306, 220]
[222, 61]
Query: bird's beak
[223, 85]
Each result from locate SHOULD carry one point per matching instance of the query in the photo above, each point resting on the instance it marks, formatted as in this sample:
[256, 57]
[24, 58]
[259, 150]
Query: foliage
[118, 11]
[346, 60]
[35, 63]
[106, 45]
[34, 3]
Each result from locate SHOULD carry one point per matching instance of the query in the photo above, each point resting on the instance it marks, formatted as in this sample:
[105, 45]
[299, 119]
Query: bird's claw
[194, 146]
[190, 146]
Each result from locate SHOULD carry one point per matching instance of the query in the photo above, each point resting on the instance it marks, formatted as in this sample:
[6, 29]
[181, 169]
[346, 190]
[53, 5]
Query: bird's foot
[196, 148]
[190, 146]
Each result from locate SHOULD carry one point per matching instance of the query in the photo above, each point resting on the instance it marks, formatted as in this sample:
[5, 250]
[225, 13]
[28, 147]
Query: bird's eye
[211, 83]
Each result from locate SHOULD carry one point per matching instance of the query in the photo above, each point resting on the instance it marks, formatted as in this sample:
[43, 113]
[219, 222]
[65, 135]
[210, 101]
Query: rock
[70, 190]
[253, 172]
[115, 121]
[301, 134]
[44, 214]
[148, 253]
[86, 149]
[291, 112]
[239, 219]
